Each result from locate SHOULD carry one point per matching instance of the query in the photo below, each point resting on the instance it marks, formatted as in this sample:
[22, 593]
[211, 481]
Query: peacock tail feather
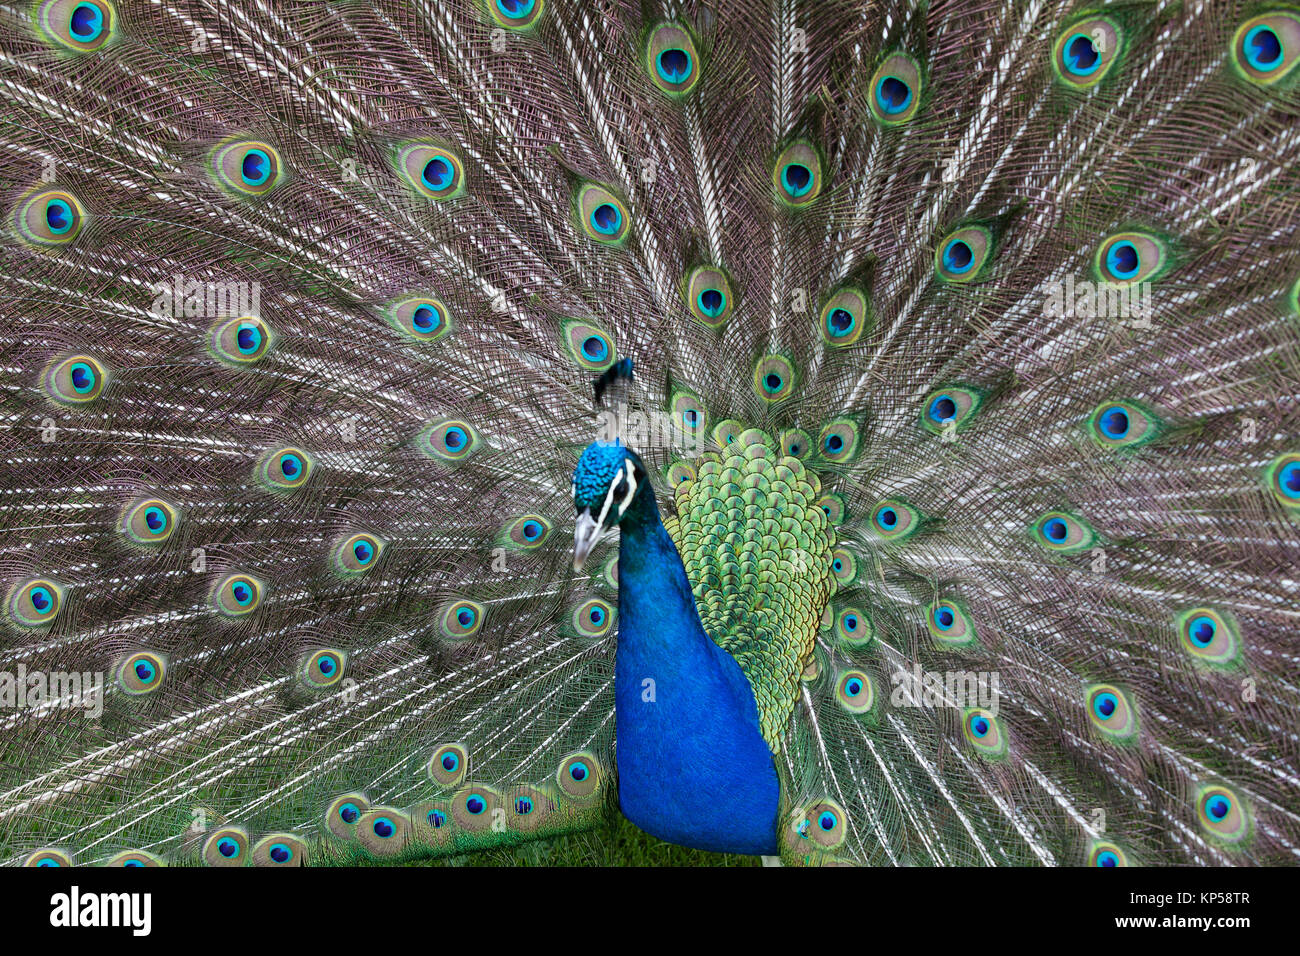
[966, 337]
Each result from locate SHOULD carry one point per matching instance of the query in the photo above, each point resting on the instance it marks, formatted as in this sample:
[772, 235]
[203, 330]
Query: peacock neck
[693, 765]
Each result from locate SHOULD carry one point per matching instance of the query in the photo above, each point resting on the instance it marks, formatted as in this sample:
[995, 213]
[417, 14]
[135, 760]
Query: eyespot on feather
[82, 26]
[35, 602]
[247, 167]
[49, 218]
[895, 90]
[1087, 50]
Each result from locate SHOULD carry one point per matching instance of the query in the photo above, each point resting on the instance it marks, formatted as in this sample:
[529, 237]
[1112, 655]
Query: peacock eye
[620, 490]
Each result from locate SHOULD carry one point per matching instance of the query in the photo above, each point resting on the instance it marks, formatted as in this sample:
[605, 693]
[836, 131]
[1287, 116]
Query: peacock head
[607, 480]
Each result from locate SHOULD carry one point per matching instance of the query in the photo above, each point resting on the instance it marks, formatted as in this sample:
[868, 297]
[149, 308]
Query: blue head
[606, 483]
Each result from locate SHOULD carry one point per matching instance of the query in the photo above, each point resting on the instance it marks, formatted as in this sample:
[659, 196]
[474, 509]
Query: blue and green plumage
[302, 313]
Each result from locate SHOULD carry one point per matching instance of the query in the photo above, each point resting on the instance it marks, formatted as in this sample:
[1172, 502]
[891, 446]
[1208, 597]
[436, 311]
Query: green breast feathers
[757, 549]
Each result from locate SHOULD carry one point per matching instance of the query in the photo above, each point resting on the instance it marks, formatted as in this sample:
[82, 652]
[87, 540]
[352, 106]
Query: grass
[616, 843]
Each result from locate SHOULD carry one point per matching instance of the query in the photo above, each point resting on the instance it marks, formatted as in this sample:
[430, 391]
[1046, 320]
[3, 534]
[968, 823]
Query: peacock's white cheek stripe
[609, 495]
[631, 487]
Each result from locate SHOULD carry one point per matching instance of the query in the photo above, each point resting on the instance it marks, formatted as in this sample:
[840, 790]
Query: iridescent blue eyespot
[462, 619]
[1262, 47]
[797, 174]
[281, 853]
[606, 219]
[1080, 56]
[797, 178]
[944, 618]
[255, 168]
[475, 804]
[979, 726]
[1105, 705]
[827, 820]
[670, 58]
[895, 90]
[454, 439]
[1122, 260]
[1107, 858]
[349, 813]
[515, 9]
[59, 216]
[86, 22]
[578, 770]
[425, 318]
[1113, 422]
[228, 848]
[942, 408]
[893, 96]
[384, 828]
[438, 174]
[958, 257]
[673, 65]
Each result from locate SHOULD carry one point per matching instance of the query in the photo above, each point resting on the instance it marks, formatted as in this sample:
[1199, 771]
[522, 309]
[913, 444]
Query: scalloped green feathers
[774, 564]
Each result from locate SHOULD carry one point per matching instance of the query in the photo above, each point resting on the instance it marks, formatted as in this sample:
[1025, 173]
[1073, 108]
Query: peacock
[845, 433]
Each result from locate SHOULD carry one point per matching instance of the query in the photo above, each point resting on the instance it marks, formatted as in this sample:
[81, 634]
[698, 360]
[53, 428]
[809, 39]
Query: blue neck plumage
[693, 767]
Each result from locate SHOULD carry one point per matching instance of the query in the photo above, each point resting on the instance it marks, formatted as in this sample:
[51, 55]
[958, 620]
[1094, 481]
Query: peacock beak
[586, 532]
